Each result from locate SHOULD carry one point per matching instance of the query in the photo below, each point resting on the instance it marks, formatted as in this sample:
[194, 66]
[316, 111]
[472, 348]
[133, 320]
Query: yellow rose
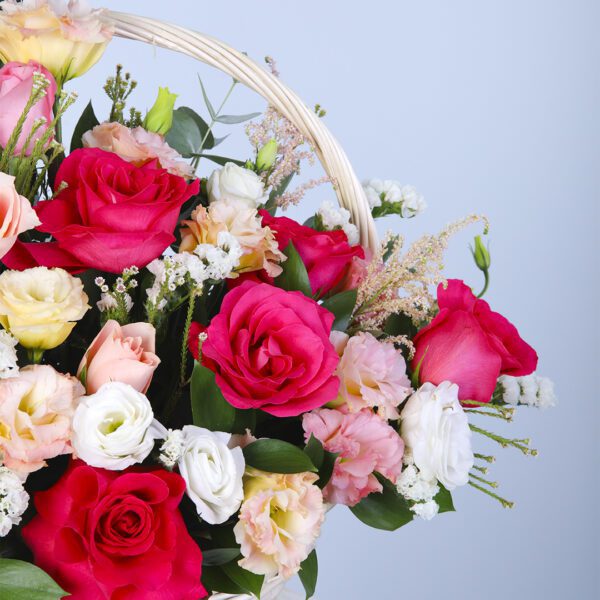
[67, 38]
[40, 306]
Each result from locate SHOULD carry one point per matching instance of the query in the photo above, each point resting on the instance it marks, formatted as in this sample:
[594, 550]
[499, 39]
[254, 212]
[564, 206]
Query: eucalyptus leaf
[235, 119]
[309, 571]
[271, 205]
[223, 160]
[87, 121]
[188, 132]
[21, 580]
[384, 510]
[294, 276]
[341, 305]
[277, 456]
[209, 106]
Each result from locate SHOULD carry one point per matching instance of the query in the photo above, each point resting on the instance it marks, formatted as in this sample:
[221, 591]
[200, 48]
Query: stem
[35, 355]
[56, 111]
[197, 158]
[485, 285]
[485, 457]
[505, 503]
[492, 484]
[489, 414]
[186, 332]
[522, 445]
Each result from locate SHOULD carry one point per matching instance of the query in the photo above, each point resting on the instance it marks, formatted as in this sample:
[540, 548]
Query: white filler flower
[213, 473]
[336, 217]
[531, 390]
[236, 183]
[8, 355]
[436, 430]
[13, 500]
[115, 427]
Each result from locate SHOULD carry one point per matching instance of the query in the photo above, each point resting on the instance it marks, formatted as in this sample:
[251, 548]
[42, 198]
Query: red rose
[470, 345]
[111, 216]
[104, 534]
[327, 255]
[270, 349]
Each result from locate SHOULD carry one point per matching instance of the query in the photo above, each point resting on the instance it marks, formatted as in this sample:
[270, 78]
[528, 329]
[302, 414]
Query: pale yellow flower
[67, 38]
[40, 306]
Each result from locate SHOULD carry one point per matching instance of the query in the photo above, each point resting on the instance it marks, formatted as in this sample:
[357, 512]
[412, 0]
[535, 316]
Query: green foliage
[249, 582]
[384, 510]
[294, 276]
[309, 571]
[189, 133]
[219, 556]
[87, 121]
[341, 305]
[210, 409]
[444, 500]
[21, 580]
[277, 456]
[323, 460]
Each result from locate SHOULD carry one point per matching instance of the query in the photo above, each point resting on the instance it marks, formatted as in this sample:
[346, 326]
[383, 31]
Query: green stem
[184, 344]
[485, 285]
[56, 111]
[522, 445]
[492, 484]
[35, 355]
[505, 503]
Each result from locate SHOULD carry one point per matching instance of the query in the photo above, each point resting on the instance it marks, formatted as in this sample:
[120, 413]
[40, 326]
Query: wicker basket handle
[217, 54]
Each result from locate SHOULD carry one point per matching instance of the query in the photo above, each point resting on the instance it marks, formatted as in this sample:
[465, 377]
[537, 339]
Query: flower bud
[266, 156]
[160, 117]
[481, 255]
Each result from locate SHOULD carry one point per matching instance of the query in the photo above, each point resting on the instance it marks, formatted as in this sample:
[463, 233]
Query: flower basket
[190, 381]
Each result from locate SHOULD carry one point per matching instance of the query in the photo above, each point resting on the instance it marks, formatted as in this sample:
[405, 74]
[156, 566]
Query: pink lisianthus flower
[365, 443]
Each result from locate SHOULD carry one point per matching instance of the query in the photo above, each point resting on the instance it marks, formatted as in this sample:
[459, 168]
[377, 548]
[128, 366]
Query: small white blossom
[418, 489]
[106, 302]
[393, 192]
[172, 448]
[531, 390]
[334, 217]
[8, 355]
[426, 510]
[13, 500]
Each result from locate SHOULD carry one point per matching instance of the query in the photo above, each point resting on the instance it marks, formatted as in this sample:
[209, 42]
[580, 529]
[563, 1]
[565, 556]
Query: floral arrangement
[189, 380]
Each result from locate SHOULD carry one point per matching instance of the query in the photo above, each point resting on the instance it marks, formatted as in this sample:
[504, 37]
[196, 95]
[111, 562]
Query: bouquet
[190, 380]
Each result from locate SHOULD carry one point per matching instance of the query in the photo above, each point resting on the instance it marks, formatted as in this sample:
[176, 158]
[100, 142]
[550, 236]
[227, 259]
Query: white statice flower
[236, 183]
[106, 302]
[435, 429]
[389, 191]
[335, 217]
[13, 500]
[220, 260]
[172, 448]
[8, 355]
[115, 427]
[419, 490]
[531, 390]
[213, 473]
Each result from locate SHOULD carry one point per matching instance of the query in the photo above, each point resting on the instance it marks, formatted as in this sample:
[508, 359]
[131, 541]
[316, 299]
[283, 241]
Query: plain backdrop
[488, 107]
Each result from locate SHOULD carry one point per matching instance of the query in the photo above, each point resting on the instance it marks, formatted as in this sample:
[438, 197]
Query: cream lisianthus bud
[67, 38]
[115, 427]
[266, 156]
[40, 306]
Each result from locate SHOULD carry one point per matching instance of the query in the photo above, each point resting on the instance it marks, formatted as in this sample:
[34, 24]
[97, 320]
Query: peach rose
[36, 408]
[243, 222]
[279, 521]
[137, 146]
[120, 353]
[16, 214]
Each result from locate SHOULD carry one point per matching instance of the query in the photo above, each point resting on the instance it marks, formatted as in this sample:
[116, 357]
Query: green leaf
[219, 556]
[216, 580]
[383, 510]
[309, 571]
[235, 119]
[21, 580]
[249, 582]
[341, 305]
[314, 451]
[271, 205]
[277, 456]
[188, 131]
[294, 276]
[210, 409]
[83, 375]
[400, 324]
[444, 500]
[326, 468]
[209, 106]
[87, 121]
[223, 160]
[310, 222]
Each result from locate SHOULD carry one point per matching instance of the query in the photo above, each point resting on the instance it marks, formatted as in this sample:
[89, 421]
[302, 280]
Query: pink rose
[470, 345]
[16, 214]
[36, 408]
[365, 444]
[16, 82]
[372, 374]
[270, 349]
[120, 353]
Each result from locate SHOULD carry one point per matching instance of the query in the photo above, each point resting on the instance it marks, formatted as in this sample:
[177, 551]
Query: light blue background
[485, 106]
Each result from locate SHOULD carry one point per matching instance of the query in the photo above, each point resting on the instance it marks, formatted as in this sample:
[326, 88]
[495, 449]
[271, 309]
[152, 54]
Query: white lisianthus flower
[115, 427]
[213, 473]
[236, 183]
[8, 355]
[436, 430]
[13, 500]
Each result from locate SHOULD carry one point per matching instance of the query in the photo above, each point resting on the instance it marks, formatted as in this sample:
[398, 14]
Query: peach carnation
[279, 521]
[260, 249]
[365, 444]
[36, 408]
[137, 146]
